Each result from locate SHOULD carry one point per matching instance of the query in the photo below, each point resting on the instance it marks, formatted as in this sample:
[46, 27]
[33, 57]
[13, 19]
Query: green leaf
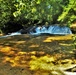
[33, 9]
[38, 1]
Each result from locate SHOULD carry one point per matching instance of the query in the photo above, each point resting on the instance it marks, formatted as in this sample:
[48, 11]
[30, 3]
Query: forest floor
[37, 55]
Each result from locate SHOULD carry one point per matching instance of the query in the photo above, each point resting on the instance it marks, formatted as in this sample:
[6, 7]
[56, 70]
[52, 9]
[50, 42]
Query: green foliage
[47, 10]
[4, 12]
[69, 13]
[37, 9]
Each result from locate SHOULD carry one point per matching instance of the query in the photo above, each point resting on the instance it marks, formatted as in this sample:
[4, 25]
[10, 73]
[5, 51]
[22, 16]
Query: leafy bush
[50, 11]
[68, 14]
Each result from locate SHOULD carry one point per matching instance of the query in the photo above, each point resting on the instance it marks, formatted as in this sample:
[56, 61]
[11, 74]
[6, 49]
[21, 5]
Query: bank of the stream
[36, 55]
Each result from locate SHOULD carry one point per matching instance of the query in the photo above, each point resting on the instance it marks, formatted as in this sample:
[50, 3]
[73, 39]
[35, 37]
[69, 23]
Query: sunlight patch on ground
[33, 45]
[20, 58]
[47, 40]
[33, 52]
[6, 49]
[21, 42]
[18, 42]
[43, 63]
[68, 37]
[63, 44]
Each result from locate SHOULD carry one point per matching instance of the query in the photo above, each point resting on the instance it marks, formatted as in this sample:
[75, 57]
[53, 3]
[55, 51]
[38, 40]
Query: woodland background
[17, 14]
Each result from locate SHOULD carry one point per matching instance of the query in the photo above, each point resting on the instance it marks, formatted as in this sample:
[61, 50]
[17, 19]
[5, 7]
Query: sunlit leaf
[33, 10]
[38, 1]
[14, 14]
